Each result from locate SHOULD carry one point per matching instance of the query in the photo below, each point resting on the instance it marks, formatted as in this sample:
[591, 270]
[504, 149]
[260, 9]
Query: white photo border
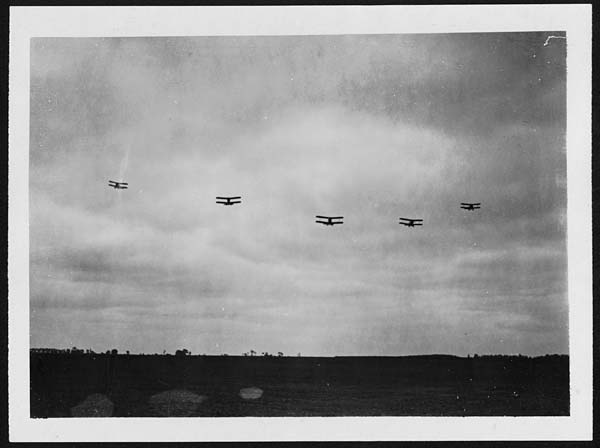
[574, 19]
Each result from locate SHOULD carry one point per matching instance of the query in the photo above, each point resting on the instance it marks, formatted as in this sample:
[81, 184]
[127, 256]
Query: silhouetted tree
[114, 351]
[279, 353]
[252, 353]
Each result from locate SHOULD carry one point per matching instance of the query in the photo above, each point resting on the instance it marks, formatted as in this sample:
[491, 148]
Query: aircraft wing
[334, 223]
[336, 217]
[322, 217]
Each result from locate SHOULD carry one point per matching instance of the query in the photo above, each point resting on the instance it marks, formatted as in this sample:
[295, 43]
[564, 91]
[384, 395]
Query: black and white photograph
[368, 224]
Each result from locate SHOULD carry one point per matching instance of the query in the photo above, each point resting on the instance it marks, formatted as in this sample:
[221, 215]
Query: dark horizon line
[270, 355]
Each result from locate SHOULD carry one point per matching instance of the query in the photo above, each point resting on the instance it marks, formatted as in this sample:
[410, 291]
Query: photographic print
[298, 225]
[185, 258]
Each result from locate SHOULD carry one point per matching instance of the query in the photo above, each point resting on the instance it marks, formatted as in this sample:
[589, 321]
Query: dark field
[64, 385]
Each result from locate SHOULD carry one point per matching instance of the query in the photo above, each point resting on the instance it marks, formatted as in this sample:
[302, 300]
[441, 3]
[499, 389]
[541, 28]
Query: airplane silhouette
[470, 206]
[118, 185]
[330, 220]
[229, 200]
[408, 222]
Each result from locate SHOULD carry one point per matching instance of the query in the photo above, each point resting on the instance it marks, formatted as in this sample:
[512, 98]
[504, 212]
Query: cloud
[368, 127]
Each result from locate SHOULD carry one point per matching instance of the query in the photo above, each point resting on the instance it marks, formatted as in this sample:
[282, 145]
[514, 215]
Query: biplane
[118, 185]
[231, 200]
[329, 220]
[470, 205]
[409, 222]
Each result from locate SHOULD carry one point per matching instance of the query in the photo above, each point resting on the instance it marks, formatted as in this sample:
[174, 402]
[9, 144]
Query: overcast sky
[368, 127]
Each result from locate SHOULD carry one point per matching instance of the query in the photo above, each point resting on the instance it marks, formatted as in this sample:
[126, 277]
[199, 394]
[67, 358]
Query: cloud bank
[368, 127]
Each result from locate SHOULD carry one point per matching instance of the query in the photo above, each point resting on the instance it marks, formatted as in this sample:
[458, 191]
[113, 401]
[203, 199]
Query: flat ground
[64, 385]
